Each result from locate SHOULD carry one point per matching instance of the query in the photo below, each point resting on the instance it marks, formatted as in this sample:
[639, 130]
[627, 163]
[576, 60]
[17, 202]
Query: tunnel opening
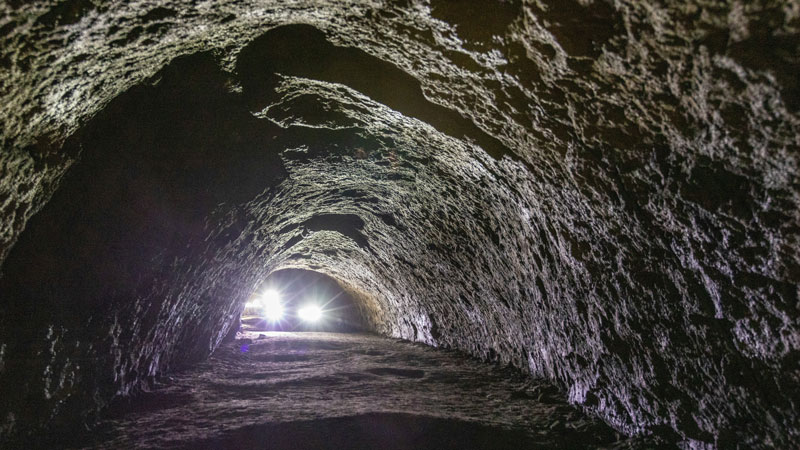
[298, 300]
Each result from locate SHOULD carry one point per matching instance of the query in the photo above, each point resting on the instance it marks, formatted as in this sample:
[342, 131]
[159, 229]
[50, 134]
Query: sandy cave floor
[282, 390]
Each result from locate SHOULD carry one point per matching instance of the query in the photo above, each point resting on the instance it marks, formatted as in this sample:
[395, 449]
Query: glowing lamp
[310, 313]
[271, 305]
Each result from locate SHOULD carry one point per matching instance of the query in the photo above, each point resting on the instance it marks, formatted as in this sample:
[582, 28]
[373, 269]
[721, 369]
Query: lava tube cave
[425, 224]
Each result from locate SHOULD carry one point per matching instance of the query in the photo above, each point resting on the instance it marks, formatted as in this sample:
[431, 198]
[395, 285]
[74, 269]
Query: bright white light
[310, 313]
[271, 305]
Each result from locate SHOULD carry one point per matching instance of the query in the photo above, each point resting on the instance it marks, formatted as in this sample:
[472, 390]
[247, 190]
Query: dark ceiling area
[603, 195]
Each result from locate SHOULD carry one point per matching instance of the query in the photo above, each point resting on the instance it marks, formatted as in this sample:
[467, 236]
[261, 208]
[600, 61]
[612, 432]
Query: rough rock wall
[604, 194]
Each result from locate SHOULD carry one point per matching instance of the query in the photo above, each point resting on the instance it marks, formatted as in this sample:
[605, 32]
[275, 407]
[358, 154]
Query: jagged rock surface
[603, 194]
[352, 391]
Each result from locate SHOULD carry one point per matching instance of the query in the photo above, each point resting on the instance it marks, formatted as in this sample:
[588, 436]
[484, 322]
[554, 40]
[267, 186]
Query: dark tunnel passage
[535, 224]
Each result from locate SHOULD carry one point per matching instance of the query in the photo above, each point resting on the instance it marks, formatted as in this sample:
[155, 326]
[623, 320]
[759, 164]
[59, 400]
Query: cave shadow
[303, 51]
[135, 210]
[152, 166]
[387, 431]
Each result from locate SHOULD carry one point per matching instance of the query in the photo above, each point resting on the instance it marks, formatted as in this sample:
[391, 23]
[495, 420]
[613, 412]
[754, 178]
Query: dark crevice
[349, 225]
[304, 51]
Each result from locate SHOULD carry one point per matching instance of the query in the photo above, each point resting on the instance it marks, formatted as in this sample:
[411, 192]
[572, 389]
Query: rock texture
[601, 193]
[353, 391]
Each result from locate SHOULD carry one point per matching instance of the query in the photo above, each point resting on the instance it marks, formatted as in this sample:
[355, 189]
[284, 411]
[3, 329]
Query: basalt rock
[601, 193]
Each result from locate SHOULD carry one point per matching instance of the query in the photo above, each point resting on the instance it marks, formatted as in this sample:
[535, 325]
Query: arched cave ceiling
[601, 193]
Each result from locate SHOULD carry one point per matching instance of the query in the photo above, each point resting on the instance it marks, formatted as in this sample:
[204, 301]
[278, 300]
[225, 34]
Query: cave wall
[601, 193]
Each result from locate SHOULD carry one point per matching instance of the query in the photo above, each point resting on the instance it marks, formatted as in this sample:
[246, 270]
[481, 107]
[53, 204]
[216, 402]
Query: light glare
[310, 313]
[271, 306]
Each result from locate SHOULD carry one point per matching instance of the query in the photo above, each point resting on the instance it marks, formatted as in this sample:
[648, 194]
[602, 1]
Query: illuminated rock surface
[602, 195]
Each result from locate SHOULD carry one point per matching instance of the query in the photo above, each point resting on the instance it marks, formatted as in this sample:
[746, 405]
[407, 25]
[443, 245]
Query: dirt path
[348, 391]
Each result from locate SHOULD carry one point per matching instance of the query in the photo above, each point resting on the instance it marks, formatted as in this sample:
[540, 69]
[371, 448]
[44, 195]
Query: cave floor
[279, 390]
